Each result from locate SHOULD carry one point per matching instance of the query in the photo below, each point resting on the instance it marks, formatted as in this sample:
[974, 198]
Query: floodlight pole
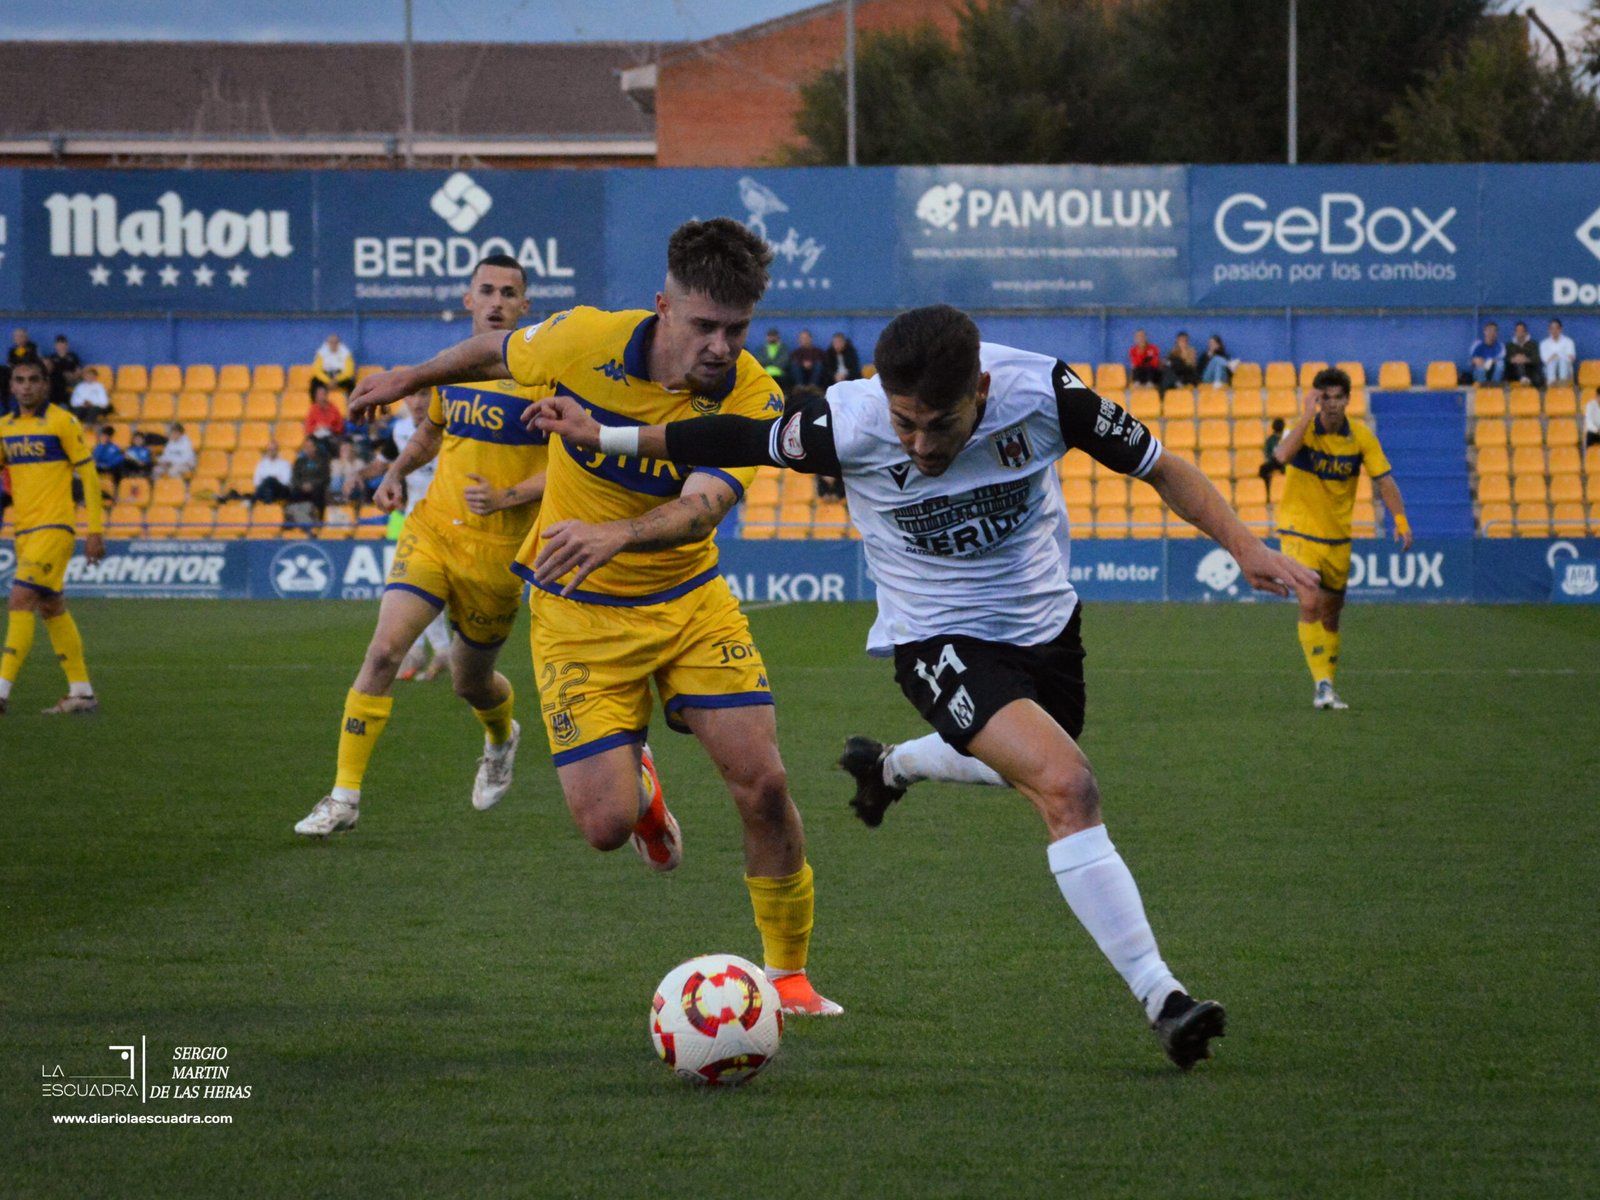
[410, 91]
[1294, 74]
[850, 82]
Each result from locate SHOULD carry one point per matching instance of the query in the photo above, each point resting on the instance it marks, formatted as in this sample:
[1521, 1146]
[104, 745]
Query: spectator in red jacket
[1144, 356]
[324, 420]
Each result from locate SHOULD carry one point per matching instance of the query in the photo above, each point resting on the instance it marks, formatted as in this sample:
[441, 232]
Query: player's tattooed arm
[422, 448]
[477, 358]
[483, 497]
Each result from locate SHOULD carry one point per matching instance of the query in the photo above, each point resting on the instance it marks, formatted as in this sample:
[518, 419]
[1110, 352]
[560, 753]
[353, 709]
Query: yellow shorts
[594, 664]
[1330, 560]
[42, 557]
[470, 575]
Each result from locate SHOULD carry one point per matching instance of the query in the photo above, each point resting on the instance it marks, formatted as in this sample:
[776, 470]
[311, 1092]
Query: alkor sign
[84, 225]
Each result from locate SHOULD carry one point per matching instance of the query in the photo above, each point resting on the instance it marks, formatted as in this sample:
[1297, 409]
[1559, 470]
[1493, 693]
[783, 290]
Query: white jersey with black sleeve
[983, 549]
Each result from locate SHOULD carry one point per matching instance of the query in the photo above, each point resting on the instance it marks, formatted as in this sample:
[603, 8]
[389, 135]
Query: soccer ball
[716, 1020]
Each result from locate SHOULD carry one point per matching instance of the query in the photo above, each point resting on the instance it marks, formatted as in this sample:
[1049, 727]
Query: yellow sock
[497, 720]
[1331, 640]
[783, 909]
[68, 644]
[364, 719]
[19, 640]
[1313, 640]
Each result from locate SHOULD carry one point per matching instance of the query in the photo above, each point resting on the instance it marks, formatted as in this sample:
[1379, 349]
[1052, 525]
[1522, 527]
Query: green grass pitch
[1397, 904]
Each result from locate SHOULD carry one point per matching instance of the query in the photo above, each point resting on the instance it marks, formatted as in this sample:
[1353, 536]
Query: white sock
[1100, 890]
[5, 689]
[931, 757]
[437, 633]
[80, 689]
[774, 973]
[348, 795]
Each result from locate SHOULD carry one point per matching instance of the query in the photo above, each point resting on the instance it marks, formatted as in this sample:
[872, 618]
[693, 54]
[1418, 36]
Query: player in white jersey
[948, 460]
[437, 634]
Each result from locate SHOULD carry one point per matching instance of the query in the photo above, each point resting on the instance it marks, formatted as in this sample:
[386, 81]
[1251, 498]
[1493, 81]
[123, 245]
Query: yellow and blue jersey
[1319, 490]
[601, 360]
[42, 452]
[483, 435]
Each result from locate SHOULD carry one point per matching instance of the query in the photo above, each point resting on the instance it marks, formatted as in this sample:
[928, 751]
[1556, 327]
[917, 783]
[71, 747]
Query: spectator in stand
[66, 368]
[773, 356]
[1182, 368]
[1559, 355]
[89, 401]
[137, 460]
[1591, 422]
[271, 479]
[346, 476]
[1271, 466]
[805, 364]
[1486, 361]
[840, 361]
[1215, 365]
[333, 366]
[108, 456]
[308, 486]
[1523, 364]
[324, 420]
[1144, 360]
[178, 458]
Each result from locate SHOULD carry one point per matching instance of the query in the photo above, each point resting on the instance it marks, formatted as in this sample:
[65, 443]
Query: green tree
[1497, 101]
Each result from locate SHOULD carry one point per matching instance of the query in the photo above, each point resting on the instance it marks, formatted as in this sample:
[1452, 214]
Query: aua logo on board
[800, 254]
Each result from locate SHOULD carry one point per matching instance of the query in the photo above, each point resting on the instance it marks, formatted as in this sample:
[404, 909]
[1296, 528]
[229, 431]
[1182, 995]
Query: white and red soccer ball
[716, 1020]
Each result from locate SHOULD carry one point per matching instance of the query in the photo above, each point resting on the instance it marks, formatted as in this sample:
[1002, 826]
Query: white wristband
[620, 439]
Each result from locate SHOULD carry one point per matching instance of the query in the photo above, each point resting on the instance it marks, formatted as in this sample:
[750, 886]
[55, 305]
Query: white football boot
[1326, 697]
[494, 771]
[330, 815]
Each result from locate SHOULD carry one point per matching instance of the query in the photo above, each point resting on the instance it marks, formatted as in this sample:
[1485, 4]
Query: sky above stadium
[444, 20]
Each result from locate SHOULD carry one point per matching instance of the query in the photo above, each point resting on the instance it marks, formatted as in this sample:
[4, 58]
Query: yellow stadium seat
[1589, 373]
[1490, 431]
[831, 520]
[254, 435]
[1283, 402]
[1493, 460]
[1566, 489]
[1111, 492]
[760, 532]
[1179, 402]
[372, 524]
[1591, 461]
[338, 522]
[1442, 375]
[289, 435]
[1280, 375]
[1308, 372]
[1495, 520]
[1180, 436]
[125, 405]
[266, 517]
[299, 379]
[1110, 375]
[1357, 373]
[1527, 432]
[1084, 371]
[1565, 460]
[795, 515]
[1247, 375]
[227, 406]
[1249, 490]
[296, 406]
[261, 406]
[233, 519]
[1489, 402]
[159, 406]
[1145, 403]
[267, 377]
[1078, 494]
[763, 489]
[172, 492]
[161, 520]
[1363, 518]
[213, 463]
[1524, 402]
[166, 377]
[1567, 520]
[206, 487]
[1248, 433]
[199, 377]
[233, 377]
[1217, 465]
[1215, 434]
[1257, 517]
[1146, 520]
[1560, 402]
[1533, 520]
[1494, 489]
[125, 520]
[1213, 402]
[105, 372]
[1358, 403]
[196, 520]
[1562, 431]
[1247, 402]
[194, 406]
[1394, 376]
[1527, 460]
[1529, 489]
[221, 435]
[1119, 395]
[1076, 466]
[134, 491]
[131, 377]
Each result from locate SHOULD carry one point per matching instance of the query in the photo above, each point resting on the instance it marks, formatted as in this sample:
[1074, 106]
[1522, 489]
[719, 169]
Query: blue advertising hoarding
[1042, 237]
[1334, 237]
[394, 241]
[130, 241]
[1545, 224]
[10, 239]
[831, 230]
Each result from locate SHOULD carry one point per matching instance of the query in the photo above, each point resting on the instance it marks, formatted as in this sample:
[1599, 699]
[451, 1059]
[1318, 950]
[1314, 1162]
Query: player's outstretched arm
[421, 448]
[719, 441]
[1190, 494]
[476, 358]
[580, 548]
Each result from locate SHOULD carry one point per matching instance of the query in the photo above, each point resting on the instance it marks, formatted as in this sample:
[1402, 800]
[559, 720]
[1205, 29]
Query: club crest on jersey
[1013, 447]
[562, 727]
[790, 444]
[704, 405]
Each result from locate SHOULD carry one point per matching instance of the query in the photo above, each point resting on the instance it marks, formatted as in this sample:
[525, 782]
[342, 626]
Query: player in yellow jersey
[623, 575]
[1323, 456]
[454, 554]
[43, 446]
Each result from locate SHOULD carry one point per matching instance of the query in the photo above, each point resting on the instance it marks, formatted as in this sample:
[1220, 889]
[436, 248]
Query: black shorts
[957, 683]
